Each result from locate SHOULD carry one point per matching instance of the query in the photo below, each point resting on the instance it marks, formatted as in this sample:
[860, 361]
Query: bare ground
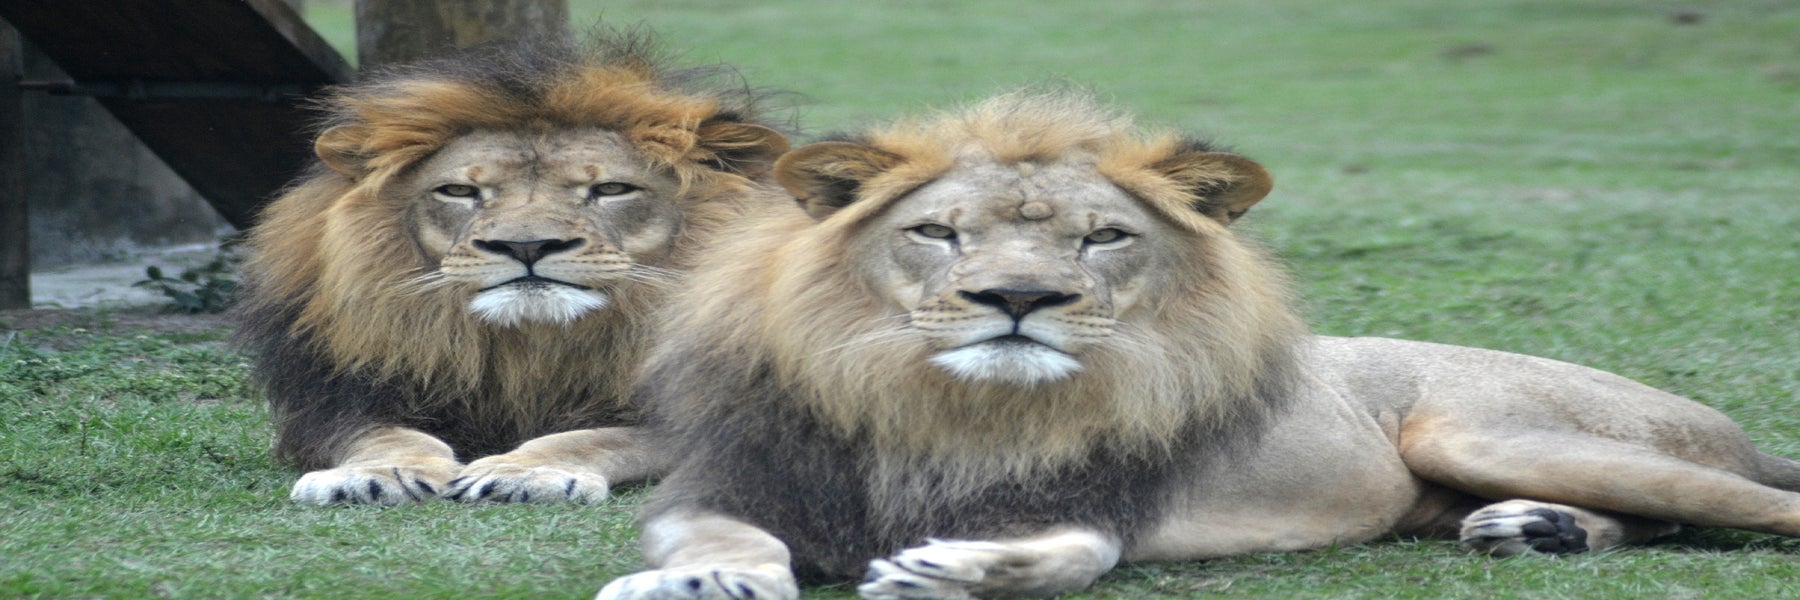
[117, 320]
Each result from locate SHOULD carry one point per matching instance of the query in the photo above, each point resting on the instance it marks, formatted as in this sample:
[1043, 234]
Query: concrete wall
[95, 192]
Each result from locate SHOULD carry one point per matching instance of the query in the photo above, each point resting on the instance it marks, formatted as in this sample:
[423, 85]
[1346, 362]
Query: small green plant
[208, 288]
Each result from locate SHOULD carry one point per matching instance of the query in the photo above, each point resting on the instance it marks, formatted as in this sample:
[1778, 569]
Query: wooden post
[15, 232]
[394, 31]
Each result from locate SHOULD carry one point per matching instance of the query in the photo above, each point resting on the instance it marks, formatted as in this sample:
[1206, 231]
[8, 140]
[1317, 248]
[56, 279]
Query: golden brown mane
[337, 290]
[812, 317]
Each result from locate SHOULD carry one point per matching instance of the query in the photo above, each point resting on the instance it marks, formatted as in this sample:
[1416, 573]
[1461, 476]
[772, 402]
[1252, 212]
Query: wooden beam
[397, 31]
[236, 151]
[15, 230]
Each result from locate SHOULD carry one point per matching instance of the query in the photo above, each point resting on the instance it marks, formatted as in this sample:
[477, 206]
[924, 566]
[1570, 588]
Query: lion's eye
[935, 231]
[610, 188]
[1105, 236]
[458, 190]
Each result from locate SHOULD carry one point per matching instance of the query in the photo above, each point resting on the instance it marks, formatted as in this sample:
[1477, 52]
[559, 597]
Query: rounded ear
[1223, 185]
[341, 149]
[744, 148]
[827, 176]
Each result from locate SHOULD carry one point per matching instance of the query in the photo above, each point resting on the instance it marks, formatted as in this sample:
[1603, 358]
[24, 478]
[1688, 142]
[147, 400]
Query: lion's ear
[826, 176]
[744, 148]
[1223, 185]
[341, 149]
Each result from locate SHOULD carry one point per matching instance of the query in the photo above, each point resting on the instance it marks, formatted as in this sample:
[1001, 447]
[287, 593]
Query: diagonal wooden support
[214, 87]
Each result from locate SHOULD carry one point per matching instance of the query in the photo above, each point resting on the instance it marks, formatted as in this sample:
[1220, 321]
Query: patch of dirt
[119, 321]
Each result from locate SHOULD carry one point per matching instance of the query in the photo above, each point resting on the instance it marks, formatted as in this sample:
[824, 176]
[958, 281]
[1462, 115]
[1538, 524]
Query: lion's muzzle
[528, 252]
[1018, 303]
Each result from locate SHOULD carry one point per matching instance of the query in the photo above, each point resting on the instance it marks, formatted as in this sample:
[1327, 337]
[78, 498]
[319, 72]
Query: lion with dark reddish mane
[472, 267]
[1004, 350]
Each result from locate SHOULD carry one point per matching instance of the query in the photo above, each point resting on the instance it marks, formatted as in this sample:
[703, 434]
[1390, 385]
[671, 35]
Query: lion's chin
[1006, 361]
[513, 305]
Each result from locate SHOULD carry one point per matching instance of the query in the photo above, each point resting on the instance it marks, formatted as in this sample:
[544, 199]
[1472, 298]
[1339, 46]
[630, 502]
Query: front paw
[509, 478]
[385, 485]
[1522, 526]
[725, 583]
[939, 570]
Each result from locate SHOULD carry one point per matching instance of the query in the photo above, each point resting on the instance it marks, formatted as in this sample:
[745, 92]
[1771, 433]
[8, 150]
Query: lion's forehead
[571, 156]
[1063, 196]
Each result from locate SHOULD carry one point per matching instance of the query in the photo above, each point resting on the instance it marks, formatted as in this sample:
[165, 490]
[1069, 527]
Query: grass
[1589, 181]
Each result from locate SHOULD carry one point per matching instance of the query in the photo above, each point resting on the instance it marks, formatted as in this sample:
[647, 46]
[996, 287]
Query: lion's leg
[1520, 526]
[1598, 474]
[572, 466]
[385, 465]
[1039, 566]
[706, 556]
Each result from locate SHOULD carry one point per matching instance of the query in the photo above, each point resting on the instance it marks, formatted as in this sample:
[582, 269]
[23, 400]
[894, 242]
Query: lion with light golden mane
[472, 268]
[1010, 347]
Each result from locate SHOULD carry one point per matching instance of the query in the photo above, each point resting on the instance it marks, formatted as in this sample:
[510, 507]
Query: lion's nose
[528, 252]
[1019, 303]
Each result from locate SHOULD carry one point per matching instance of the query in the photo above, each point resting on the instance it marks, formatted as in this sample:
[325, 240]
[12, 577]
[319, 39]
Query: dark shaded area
[213, 87]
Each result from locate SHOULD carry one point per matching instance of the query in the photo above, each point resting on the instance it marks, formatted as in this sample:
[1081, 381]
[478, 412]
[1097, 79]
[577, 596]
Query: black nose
[1019, 303]
[528, 252]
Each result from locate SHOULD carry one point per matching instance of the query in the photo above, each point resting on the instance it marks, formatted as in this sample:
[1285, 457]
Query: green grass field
[1588, 180]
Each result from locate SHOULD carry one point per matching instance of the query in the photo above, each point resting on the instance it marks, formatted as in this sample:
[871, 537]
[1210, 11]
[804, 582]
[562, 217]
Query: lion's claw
[703, 584]
[388, 485]
[1519, 527]
[500, 479]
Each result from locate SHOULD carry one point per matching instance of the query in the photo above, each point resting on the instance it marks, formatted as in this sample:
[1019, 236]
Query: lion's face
[1025, 266]
[1011, 272]
[540, 227]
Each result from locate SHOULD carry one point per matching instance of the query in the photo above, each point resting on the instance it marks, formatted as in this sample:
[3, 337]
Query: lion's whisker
[867, 339]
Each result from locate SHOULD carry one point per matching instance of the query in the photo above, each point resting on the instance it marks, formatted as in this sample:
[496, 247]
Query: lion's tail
[1775, 471]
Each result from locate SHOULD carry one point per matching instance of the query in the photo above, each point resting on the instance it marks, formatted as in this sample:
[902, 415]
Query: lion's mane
[335, 304]
[858, 447]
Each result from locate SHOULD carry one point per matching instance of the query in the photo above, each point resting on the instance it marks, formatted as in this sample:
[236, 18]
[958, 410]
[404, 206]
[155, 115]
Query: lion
[472, 268]
[1010, 347]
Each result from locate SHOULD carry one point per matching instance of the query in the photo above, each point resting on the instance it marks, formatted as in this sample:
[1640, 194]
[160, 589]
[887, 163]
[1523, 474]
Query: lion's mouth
[1011, 358]
[537, 299]
[535, 280]
[1015, 340]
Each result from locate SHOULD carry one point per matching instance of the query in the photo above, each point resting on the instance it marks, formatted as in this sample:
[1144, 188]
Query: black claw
[745, 592]
[694, 583]
[425, 486]
[414, 496]
[374, 490]
[338, 495]
[1556, 534]
[524, 496]
[569, 490]
[1539, 529]
[486, 489]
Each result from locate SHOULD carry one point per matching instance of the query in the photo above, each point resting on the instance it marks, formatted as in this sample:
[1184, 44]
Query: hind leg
[1526, 526]
[1595, 474]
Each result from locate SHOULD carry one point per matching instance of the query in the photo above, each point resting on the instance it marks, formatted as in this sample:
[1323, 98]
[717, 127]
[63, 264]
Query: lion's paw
[703, 584]
[386, 485]
[1522, 526]
[503, 478]
[941, 569]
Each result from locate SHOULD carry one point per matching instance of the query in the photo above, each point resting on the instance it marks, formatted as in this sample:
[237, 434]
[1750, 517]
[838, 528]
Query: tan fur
[866, 377]
[365, 268]
[1187, 361]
